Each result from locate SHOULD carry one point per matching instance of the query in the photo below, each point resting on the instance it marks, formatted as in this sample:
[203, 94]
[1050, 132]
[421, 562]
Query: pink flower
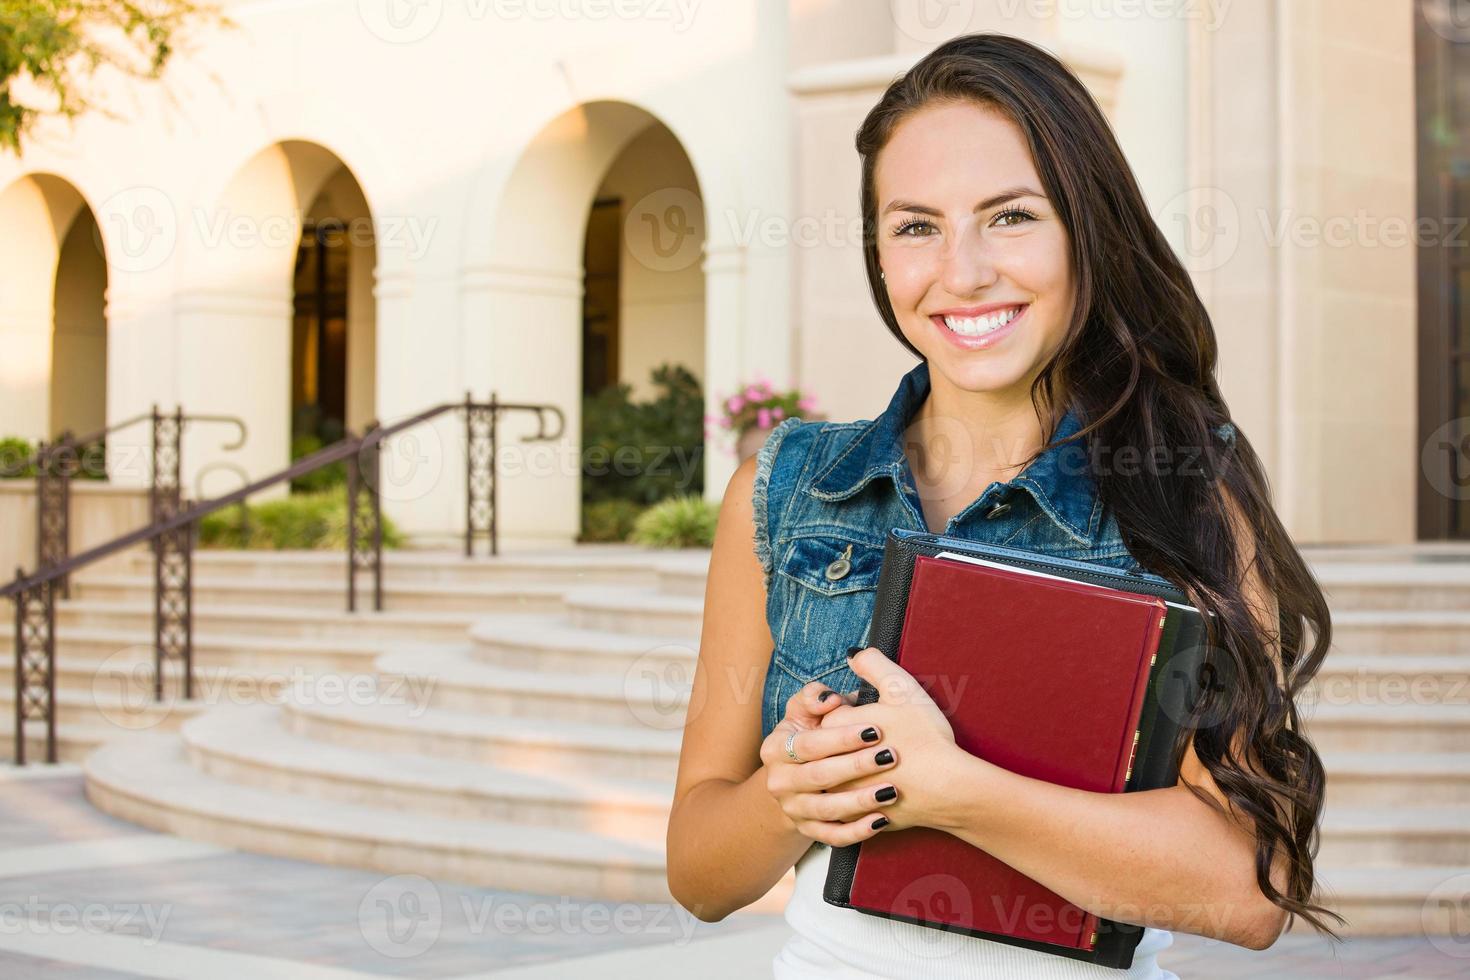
[763, 418]
[753, 394]
[778, 412]
[735, 404]
[806, 404]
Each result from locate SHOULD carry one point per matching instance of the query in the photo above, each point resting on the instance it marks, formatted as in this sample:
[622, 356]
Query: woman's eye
[915, 223]
[1017, 213]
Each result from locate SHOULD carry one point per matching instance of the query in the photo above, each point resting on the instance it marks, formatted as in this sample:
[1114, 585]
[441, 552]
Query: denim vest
[828, 491]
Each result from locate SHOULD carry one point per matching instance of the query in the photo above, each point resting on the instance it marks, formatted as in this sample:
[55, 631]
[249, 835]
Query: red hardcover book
[1043, 676]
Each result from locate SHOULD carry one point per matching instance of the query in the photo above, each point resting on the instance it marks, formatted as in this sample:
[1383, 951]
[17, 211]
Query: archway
[53, 285]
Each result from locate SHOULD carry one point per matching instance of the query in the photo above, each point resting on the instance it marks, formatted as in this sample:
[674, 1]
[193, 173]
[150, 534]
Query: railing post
[365, 517]
[173, 562]
[35, 664]
[53, 507]
[479, 472]
[490, 465]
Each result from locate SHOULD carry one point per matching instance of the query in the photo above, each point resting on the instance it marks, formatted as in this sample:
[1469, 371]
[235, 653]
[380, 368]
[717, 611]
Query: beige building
[361, 210]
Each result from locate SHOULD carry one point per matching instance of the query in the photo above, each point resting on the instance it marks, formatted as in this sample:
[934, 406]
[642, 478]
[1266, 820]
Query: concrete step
[1401, 586]
[685, 572]
[1415, 728]
[1388, 778]
[1395, 901]
[73, 742]
[634, 610]
[1396, 836]
[131, 678]
[151, 783]
[585, 564]
[330, 595]
[1390, 632]
[550, 643]
[454, 680]
[248, 746]
[262, 621]
[529, 745]
[245, 651]
[96, 711]
[1388, 680]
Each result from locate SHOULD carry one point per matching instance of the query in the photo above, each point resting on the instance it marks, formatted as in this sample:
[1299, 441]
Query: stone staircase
[512, 722]
[515, 722]
[1390, 714]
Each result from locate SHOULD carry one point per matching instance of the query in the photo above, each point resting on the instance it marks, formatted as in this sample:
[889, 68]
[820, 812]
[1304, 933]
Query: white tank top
[833, 942]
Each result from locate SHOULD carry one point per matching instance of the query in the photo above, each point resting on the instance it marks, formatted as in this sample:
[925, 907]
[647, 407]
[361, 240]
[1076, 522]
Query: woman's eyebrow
[985, 205]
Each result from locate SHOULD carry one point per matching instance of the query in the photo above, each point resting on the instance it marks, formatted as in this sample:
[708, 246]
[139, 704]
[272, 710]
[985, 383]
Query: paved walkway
[83, 895]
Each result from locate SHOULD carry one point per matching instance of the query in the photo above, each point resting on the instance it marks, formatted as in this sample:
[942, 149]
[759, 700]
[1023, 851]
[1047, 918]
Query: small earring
[882, 275]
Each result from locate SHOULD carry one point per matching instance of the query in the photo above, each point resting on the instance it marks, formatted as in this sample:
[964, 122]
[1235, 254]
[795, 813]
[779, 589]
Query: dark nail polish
[884, 757]
[880, 823]
[854, 650]
[825, 695]
[886, 793]
[870, 734]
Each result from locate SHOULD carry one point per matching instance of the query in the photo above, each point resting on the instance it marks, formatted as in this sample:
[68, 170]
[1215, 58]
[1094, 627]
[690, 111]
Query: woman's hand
[914, 726]
[830, 755]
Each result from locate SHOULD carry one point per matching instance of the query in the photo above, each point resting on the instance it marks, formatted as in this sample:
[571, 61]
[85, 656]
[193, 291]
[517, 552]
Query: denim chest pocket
[828, 584]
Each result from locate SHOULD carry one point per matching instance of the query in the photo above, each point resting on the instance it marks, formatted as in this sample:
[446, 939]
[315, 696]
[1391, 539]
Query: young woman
[1065, 402]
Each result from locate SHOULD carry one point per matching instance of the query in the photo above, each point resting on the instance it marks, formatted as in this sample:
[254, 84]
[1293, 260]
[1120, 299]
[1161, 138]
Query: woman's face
[976, 261]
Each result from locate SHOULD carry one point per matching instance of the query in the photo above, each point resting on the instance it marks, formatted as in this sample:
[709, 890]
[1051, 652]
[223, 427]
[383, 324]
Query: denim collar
[1058, 479]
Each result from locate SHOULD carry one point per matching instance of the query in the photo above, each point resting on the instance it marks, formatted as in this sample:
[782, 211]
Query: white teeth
[975, 326]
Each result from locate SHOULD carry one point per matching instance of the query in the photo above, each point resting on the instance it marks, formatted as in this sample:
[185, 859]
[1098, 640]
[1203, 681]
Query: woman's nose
[968, 265]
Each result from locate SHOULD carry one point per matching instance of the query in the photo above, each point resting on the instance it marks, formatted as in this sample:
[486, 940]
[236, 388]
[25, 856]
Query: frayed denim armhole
[765, 459]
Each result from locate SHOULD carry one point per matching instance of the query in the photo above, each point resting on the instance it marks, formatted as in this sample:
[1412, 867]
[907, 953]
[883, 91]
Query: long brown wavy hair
[1138, 364]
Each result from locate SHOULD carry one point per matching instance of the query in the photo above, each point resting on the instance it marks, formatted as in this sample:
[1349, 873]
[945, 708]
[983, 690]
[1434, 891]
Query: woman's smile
[980, 332]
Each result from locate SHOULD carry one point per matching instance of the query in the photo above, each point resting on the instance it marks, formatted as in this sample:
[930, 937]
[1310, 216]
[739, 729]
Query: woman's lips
[983, 341]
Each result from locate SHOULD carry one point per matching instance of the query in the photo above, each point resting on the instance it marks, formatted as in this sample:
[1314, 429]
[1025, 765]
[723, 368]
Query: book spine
[1138, 730]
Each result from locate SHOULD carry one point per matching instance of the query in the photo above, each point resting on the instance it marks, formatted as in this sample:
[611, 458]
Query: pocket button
[839, 567]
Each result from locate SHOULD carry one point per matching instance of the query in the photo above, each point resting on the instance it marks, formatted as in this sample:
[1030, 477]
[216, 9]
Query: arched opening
[276, 314]
[593, 278]
[53, 324]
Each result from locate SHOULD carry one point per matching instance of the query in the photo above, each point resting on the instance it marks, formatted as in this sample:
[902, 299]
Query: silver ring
[790, 750]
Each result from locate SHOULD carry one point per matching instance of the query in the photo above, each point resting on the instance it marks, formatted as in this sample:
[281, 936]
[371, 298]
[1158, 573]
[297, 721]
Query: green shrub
[307, 520]
[681, 521]
[332, 475]
[609, 520]
[88, 463]
[15, 454]
[644, 451]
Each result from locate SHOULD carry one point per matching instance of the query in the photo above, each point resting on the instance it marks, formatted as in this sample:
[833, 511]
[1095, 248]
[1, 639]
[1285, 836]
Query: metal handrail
[171, 533]
[43, 448]
[53, 477]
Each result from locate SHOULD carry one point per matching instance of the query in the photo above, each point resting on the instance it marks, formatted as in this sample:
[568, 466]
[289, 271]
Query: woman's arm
[729, 841]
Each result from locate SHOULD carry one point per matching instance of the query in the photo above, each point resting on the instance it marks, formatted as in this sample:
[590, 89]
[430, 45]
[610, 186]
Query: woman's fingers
[812, 702]
[843, 834]
[842, 807]
[816, 745]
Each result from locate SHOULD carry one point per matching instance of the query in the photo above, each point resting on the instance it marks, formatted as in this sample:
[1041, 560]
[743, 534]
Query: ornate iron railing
[171, 534]
[56, 464]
